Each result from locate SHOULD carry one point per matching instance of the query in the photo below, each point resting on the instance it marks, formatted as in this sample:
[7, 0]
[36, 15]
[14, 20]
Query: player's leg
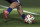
[13, 5]
[20, 11]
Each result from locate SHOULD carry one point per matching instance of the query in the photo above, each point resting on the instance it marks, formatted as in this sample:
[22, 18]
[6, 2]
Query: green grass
[15, 20]
[32, 9]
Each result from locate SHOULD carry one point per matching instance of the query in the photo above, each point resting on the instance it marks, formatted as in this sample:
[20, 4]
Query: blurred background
[14, 19]
[25, 3]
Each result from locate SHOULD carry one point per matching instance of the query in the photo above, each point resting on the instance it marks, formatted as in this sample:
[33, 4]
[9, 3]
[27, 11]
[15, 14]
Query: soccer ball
[29, 19]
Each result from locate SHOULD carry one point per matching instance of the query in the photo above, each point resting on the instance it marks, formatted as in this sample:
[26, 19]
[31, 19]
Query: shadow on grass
[16, 19]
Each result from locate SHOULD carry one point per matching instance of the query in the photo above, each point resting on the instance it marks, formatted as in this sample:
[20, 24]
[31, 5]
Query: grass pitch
[15, 20]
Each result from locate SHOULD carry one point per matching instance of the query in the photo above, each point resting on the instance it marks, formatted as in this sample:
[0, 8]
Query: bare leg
[14, 4]
[19, 9]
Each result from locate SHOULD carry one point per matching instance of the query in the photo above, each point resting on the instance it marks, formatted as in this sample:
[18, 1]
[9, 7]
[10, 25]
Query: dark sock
[9, 10]
[23, 16]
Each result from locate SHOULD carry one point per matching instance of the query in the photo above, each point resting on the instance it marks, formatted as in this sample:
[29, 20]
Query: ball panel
[29, 19]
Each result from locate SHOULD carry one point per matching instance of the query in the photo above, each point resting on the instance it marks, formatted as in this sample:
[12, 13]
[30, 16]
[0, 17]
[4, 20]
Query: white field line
[16, 9]
[3, 6]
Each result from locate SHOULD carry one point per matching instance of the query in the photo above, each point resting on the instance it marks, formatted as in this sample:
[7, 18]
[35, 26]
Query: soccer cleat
[5, 13]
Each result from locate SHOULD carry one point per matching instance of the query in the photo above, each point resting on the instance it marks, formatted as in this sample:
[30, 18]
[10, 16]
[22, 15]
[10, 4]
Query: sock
[23, 16]
[9, 10]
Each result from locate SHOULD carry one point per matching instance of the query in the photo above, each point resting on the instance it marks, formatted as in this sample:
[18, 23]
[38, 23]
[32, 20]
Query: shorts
[10, 1]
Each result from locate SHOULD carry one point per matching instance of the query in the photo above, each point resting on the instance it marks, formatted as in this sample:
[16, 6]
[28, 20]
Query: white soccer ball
[29, 19]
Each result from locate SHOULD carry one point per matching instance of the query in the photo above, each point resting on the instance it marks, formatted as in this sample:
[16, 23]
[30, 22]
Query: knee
[19, 9]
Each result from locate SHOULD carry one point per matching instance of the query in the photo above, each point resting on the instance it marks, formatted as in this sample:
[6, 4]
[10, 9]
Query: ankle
[5, 11]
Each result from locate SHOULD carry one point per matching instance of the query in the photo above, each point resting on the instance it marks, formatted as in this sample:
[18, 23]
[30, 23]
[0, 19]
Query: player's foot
[5, 13]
